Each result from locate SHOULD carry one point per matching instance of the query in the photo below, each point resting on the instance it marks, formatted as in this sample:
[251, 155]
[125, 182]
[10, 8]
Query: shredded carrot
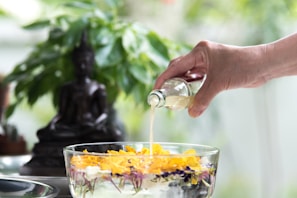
[129, 160]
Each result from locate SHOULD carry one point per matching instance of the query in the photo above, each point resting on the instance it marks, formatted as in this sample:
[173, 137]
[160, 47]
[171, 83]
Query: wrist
[247, 65]
[280, 57]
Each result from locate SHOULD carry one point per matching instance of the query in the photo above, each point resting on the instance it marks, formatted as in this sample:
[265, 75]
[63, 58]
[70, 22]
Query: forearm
[281, 57]
[253, 66]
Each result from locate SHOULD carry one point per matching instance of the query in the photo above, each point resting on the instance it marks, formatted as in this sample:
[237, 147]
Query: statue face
[83, 69]
[83, 58]
[83, 63]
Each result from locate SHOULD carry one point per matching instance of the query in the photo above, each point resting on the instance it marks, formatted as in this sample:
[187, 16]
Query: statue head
[83, 57]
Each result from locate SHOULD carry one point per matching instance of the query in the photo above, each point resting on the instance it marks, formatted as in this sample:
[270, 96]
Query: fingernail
[193, 112]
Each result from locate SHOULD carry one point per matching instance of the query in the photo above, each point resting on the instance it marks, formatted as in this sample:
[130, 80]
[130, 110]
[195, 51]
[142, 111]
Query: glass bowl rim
[212, 150]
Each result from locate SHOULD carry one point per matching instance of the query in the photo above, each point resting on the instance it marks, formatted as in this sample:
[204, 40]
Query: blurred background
[255, 129]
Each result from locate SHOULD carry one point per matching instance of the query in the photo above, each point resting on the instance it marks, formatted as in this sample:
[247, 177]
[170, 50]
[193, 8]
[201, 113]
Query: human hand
[226, 67]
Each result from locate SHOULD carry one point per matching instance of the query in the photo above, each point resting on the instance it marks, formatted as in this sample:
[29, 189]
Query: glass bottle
[176, 93]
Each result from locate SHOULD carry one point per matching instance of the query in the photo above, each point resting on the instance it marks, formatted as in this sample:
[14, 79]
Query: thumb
[202, 100]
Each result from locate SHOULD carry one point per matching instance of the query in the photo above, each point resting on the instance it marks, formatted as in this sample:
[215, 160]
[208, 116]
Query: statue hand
[100, 120]
[52, 126]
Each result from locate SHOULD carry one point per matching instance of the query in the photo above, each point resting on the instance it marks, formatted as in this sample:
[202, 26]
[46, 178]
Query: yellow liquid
[178, 102]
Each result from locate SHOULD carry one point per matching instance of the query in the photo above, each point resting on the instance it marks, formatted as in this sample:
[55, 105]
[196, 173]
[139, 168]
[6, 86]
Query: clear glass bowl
[141, 170]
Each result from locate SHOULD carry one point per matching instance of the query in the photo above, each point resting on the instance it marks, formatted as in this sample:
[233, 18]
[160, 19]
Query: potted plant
[128, 56]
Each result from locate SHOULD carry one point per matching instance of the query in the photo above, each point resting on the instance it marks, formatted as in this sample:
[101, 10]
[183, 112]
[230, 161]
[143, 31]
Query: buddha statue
[83, 115]
[83, 110]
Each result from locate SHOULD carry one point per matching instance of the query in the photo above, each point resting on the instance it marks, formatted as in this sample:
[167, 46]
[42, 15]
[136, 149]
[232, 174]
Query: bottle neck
[175, 93]
[156, 98]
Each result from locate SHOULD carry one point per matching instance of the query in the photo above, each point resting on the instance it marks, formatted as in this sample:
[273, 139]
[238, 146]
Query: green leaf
[140, 73]
[158, 44]
[73, 35]
[38, 87]
[101, 36]
[56, 33]
[44, 56]
[140, 93]
[124, 79]
[21, 88]
[158, 51]
[133, 43]
[110, 54]
[14, 76]
[135, 40]
[108, 77]
[139, 29]
[37, 25]
[10, 109]
[62, 21]
[80, 5]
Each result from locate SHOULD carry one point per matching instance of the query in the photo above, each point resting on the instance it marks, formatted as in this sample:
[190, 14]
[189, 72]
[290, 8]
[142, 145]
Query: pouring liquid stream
[152, 119]
[172, 102]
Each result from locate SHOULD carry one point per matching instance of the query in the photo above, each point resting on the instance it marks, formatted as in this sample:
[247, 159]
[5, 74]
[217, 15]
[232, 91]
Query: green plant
[128, 56]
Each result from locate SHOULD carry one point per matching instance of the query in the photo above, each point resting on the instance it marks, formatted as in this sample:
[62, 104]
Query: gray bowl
[13, 187]
[10, 165]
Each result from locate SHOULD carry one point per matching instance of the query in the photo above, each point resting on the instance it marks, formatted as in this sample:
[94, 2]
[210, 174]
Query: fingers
[175, 68]
[195, 61]
[202, 99]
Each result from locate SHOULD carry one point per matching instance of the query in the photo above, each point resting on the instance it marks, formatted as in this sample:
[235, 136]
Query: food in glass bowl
[141, 170]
